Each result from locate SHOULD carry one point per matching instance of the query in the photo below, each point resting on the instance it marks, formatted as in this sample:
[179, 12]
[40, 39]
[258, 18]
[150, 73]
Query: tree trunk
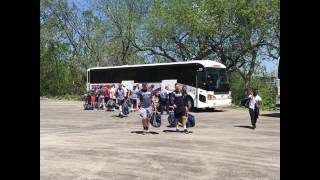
[246, 86]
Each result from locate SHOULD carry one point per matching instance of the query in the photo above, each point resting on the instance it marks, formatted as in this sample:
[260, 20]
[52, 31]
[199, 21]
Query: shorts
[180, 114]
[120, 102]
[145, 113]
[134, 101]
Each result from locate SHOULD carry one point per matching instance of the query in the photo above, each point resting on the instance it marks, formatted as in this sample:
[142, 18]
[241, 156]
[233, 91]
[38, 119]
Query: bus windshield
[217, 79]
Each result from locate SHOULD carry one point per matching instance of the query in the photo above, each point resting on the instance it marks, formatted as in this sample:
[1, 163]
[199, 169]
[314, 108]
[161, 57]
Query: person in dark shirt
[120, 95]
[144, 99]
[178, 101]
[100, 97]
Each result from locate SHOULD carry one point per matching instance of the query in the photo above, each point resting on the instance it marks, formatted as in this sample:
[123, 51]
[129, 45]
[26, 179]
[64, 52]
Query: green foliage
[265, 86]
[112, 32]
[70, 97]
[267, 91]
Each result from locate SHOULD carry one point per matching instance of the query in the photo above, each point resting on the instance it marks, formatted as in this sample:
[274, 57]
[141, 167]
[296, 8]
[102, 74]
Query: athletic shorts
[145, 113]
[120, 102]
[180, 114]
[134, 101]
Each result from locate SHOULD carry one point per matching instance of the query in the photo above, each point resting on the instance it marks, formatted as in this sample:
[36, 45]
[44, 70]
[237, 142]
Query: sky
[268, 64]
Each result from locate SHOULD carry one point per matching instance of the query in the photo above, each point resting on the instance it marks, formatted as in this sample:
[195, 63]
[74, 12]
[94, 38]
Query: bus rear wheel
[190, 103]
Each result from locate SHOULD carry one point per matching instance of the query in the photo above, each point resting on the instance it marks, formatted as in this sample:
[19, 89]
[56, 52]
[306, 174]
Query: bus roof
[205, 63]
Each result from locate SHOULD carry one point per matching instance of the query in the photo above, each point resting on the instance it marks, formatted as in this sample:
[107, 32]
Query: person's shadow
[174, 131]
[276, 115]
[248, 127]
[120, 116]
[141, 132]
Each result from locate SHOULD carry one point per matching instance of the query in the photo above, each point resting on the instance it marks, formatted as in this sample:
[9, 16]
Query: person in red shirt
[92, 98]
[106, 93]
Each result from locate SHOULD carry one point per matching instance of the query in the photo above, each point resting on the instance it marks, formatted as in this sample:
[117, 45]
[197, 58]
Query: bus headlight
[211, 97]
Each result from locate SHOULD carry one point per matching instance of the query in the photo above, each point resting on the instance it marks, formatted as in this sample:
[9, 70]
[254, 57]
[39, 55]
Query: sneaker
[186, 131]
[177, 130]
[253, 126]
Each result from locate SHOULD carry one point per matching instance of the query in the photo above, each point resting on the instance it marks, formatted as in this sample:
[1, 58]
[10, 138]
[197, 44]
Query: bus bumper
[219, 102]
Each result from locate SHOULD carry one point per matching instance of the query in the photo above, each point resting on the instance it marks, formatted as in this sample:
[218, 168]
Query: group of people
[109, 97]
[176, 101]
[144, 100]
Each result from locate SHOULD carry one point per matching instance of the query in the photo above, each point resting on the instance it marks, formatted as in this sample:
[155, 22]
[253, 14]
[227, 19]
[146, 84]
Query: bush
[66, 97]
[266, 90]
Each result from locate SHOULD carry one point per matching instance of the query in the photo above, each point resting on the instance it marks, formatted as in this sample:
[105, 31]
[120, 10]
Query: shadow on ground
[208, 110]
[120, 116]
[141, 132]
[248, 127]
[277, 115]
[174, 131]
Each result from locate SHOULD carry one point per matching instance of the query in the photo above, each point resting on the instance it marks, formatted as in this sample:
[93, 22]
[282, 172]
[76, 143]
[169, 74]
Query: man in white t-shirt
[254, 107]
[113, 94]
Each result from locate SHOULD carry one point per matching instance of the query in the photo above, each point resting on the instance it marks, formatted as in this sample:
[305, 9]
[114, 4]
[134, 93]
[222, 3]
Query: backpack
[110, 103]
[163, 96]
[155, 120]
[245, 102]
[88, 106]
[125, 109]
[191, 120]
[171, 119]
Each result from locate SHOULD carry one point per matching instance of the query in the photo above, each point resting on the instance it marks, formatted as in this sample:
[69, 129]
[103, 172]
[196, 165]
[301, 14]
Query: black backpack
[88, 106]
[191, 120]
[245, 102]
[171, 119]
[125, 109]
[155, 119]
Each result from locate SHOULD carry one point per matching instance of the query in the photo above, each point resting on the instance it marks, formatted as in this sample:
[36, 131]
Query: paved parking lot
[78, 144]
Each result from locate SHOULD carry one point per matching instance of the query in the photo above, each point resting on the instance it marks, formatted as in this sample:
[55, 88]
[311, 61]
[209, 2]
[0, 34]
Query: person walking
[144, 104]
[113, 95]
[254, 107]
[164, 100]
[120, 95]
[133, 97]
[100, 95]
[180, 107]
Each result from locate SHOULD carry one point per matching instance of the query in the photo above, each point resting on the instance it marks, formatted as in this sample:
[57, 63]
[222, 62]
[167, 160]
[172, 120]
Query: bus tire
[190, 103]
[212, 109]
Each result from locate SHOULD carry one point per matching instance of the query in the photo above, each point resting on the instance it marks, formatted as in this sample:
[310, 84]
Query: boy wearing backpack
[164, 100]
[144, 98]
[120, 95]
[253, 104]
[100, 97]
[178, 102]
[113, 95]
[133, 96]
[106, 93]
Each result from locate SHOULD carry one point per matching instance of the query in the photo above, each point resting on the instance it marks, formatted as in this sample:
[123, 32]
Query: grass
[263, 108]
[68, 97]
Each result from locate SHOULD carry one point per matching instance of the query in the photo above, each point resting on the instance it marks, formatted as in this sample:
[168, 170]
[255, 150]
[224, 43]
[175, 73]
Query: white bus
[207, 82]
[278, 86]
